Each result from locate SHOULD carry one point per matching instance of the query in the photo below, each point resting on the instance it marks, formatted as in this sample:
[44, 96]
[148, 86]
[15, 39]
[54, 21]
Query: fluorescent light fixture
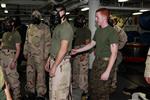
[67, 13]
[85, 9]
[3, 5]
[137, 13]
[122, 0]
[6, 11]
[144, 10]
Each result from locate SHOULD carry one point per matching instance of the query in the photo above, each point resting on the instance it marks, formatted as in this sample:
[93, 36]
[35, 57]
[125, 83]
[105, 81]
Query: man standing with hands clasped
[106, 42]
[60, 67]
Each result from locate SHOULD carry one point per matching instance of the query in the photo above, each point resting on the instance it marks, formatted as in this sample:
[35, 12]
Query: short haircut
[104, 11]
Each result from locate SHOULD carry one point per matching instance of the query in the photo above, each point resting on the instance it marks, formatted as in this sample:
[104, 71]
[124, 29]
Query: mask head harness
[80, 21]
[55, 17]
[36, 17]
[9, 24]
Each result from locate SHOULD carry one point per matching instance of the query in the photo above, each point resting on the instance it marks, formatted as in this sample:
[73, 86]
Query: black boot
[29, 96]
[40, 98]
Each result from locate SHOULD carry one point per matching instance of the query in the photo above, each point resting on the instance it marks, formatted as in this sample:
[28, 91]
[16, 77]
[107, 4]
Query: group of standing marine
[53, 55]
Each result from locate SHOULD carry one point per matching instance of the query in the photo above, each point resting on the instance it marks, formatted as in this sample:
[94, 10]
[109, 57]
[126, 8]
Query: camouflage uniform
[37, 46]
[59, 85]
[81, 61]
[2, 94]
[80, 71]
[100, 89]
[122, 41]
[8, 53]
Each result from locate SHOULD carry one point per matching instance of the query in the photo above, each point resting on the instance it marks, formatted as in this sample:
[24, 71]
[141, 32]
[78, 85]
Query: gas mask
[9, 28]
[80, 21]
[9, 25]
[36, 20]
[55, 17]
[36, 17]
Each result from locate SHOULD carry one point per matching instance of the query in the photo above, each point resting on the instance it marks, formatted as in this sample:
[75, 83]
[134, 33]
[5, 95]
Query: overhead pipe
[76, 5]
[109, 7]
[124, 8]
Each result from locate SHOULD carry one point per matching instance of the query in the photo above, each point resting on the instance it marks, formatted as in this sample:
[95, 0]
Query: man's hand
[47, 66]
[147, 79]
[52, 71]
[13, 64]
[105, 76]
[74, 51]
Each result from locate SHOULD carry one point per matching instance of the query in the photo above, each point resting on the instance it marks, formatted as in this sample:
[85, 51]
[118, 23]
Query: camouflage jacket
[122, 36]
[38, 40]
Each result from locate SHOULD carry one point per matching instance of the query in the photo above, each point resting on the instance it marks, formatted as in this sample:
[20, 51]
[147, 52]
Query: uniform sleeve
[113, 37]
[25, 49]
[147, 68]
[122, 39]
[47, 43]
[66, 34]
[4, 37]
[1, 78]
[17, 37]
[122, 36]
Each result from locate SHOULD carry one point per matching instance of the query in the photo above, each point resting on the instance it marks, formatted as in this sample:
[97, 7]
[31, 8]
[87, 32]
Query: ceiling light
[85, 9]
[3, 5]
[122, 0]
[144, 10]
[6, 11]
[70, 19]
[137, 13]
[67, 13]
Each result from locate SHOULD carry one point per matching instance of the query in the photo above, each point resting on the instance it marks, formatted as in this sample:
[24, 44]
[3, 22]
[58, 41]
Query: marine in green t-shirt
[10, 39]
[80, 62]
[104, 37]
[60, 67]
[81, 35]
[10, 52]
[61, 32]
[106, 42]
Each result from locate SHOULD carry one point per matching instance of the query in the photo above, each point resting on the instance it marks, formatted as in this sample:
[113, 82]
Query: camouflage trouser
[99, 89]
[11, 75]
[80, 71]
[36, 75]
[59, 85]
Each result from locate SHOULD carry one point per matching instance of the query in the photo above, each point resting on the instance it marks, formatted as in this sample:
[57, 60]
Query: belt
[9, 51]
[103, 58]
[66, 57]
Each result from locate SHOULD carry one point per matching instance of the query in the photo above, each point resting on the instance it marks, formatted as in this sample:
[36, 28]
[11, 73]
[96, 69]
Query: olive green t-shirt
[10, 39]
[81, 35]
[104, 37]
[61, 32]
